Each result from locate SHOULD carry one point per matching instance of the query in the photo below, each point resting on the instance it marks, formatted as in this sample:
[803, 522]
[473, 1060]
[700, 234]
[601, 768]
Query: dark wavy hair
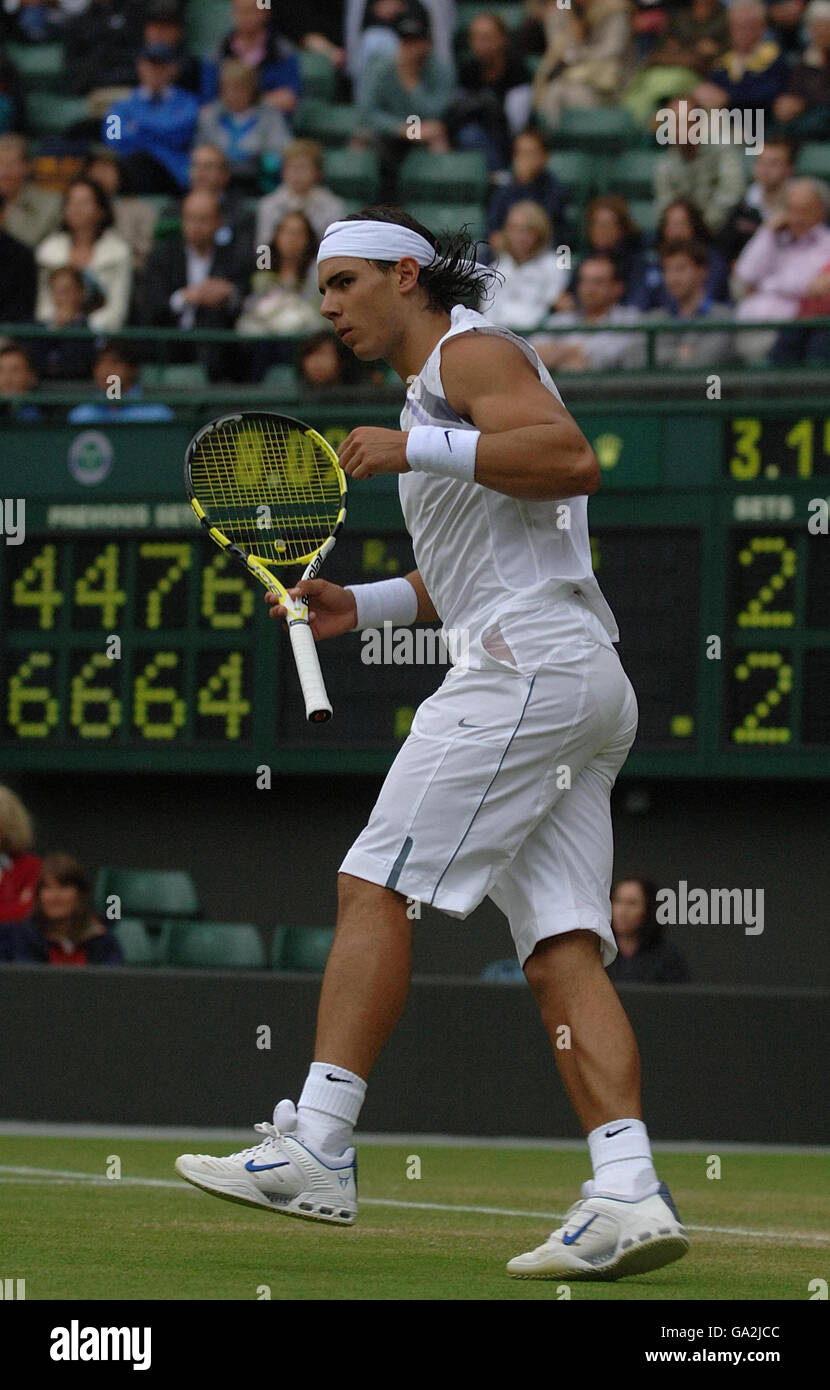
[650, 931]
[101, 198]
[457, 280]
[69, 873]
[309, 254]
[700, 231]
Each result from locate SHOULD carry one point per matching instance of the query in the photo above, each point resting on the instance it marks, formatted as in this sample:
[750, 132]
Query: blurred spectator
[394, 88]
[682, 221]
[803, 108]
[610, 229]
[700, 32]
[802, 345]
[135, 218]
[531, 180]
[325, 363]
[257, 44]
[753, 70]
[713, 176]
[102, 45]
[587, 59]
[531, 277]
[12, 97]
[19, 868]
[59, 358]
[764, 199]
[301, 190]
[31, 212]
[18, 277]
[316, 26]
[40, 21]
[784, 18]
[153, 129]
[645, 956]
[685, 269]
[63, 928]
[116, 375]
[165, 27]
[17, 378]
[192, 281]
[210, 172]
[779, 264]
[241, 126]
[285, 300]
[371, 30]
[495, 96]
[90, 243]
[599, 291]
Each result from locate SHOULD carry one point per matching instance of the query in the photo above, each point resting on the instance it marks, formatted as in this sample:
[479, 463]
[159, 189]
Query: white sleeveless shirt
[483, 556]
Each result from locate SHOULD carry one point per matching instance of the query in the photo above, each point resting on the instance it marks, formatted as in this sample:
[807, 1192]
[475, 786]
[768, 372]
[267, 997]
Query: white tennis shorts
[502, 788]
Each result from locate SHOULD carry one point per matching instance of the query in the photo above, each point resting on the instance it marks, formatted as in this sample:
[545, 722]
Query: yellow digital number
[180, 555]
[223, 697]
[757, 613]
[301, 461]
[376, 558]
[83, 694]
[23, 694]
[218, 583]
[36, 586]
[800, 438]
[158, 710]
[745, 462]
[98, 587]
[752, 729]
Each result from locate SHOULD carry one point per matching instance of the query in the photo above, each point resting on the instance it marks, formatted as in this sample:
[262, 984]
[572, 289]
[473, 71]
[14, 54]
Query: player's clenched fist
[369, 450]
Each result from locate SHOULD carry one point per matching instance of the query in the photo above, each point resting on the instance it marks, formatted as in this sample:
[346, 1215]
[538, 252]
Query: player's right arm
[333, 609]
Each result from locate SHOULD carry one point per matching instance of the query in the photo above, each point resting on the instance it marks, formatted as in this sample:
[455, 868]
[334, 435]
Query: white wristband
[388, 601]
[452, 453]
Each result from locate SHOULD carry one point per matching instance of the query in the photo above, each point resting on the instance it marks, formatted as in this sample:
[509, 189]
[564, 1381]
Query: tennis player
[502, 787]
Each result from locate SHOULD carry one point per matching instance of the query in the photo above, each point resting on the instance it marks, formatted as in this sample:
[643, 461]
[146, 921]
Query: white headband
[374, 241]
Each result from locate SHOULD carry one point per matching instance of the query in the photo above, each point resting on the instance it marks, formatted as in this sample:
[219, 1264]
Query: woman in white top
[533, 279]
[89, 243]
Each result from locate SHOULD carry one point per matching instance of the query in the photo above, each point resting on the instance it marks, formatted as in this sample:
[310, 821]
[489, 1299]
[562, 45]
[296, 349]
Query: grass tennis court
[761, 1231]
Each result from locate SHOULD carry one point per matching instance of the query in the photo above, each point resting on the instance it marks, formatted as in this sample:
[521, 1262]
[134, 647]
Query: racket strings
[268, 487]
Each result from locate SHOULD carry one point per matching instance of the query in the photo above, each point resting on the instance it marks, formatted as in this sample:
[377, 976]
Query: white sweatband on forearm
[388, 601]
[451, 453]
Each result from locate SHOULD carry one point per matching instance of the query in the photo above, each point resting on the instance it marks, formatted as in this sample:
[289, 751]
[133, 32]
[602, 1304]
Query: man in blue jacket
[153, 129]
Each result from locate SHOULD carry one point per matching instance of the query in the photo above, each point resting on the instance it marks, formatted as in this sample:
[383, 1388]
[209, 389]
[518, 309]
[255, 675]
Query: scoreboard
[129, 642]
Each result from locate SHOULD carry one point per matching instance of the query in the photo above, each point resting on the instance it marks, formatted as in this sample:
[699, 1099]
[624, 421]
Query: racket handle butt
[317, 703]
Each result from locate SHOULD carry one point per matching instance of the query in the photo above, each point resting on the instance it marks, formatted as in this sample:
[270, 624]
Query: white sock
[328, 1107]
[621, 1159]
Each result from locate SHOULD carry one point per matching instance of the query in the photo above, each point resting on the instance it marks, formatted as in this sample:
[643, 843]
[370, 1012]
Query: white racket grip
[317, 706]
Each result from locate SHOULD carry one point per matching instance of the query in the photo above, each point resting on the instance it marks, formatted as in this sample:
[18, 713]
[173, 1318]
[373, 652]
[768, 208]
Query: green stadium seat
[277, 946]
[148, 893]
[184, 376]
[353, 174]
[578, 171]
[450, 217]
[608, 129]
[139, 945]
[41, 65]
[631, 173]
[208, 21]
[814, 161]
[49, 113]
[465, 14]
[644, 212]
[319, 79]
[306, 948]
[330, 125]
[455, 177]
[281, 380]
[216, 946]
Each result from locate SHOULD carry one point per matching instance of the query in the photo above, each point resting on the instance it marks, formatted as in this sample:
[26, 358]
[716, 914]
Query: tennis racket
[270, 492]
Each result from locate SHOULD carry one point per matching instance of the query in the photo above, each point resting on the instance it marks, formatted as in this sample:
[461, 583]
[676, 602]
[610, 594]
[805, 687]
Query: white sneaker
[281, 1173]
[608, 1237]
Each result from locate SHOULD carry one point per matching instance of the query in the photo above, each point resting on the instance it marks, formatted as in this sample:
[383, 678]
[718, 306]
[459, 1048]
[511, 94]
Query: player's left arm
[530, 447]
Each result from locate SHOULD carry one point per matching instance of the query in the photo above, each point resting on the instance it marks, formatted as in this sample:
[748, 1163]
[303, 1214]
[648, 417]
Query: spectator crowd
[189, 195]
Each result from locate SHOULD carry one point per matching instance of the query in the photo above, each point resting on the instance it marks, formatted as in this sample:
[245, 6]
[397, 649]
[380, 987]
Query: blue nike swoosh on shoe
[569, 1240]
[263, 1167]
